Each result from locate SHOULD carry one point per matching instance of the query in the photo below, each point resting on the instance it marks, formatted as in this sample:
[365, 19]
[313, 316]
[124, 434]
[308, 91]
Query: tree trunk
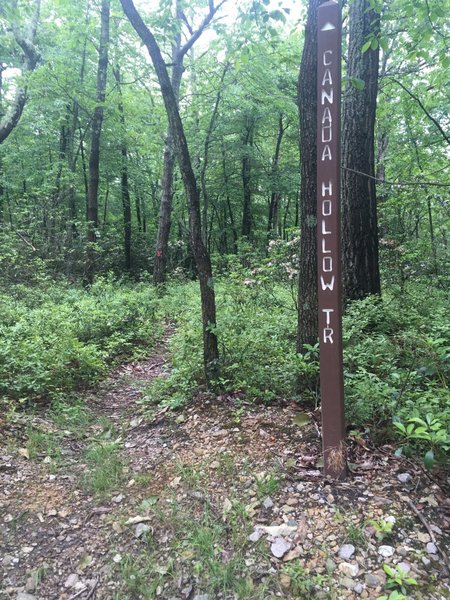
[212, 124]
[246, 175]
[307, 331]
[124, 187]
[227, 195]
[361, 272]
[165, 209]
[178, 54]
[275, 195]
[202, 260]
[94, 157]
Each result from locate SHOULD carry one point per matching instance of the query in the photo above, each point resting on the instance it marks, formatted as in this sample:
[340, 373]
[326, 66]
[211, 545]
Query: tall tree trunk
[212, 124]
[275, 195]
[202, 259]
[361, 271]
[227, 197]
[307, 331]
[124, 187]
[94, 157]
[165, 208]
[247, 142]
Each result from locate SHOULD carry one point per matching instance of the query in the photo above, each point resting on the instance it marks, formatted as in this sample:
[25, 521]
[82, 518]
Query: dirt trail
[195, 492]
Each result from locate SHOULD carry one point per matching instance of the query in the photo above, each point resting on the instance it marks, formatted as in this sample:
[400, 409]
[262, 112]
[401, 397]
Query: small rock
[117, 558]
[347, 583]
[25, 596]
[8, 560]
[426, 561]
[118, 499]
[349, 569]
[32, 582]
[285, 580]
[71, 581]
[292, 501]
[330, 498]
[404, 566]
[215, 464]
[293, 554]
[330, 565]
[141, 528]
[268, 502]
[201, 597]
[423, 537]
[279, 547]
[386, 551]
[431, 548]
[359, 588]
[346, 551]
[256, 535]
[404, 477]
[373, 581]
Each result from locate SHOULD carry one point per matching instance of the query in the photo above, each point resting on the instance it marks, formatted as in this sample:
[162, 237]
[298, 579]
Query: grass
[267, 485]
[41, 444]
[105, 468]
[73, 416]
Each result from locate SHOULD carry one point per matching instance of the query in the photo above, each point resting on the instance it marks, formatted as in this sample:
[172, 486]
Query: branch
[398, 183]
[417, 99]
[196, 34]
[30, 59]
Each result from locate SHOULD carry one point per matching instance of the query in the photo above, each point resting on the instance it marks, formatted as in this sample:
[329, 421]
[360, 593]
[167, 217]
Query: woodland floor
[221, 500]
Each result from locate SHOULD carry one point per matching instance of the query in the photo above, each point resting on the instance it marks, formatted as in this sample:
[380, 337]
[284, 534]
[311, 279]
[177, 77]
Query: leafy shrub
[59, 338]
[396, 356]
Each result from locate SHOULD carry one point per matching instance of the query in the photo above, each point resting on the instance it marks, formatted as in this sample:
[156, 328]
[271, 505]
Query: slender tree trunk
[72, 154]
[307, 332]
[246, 175]
[275, 195]
[165, 209]
[94, 157]
[212, 124]
[227, 196]
[361, 272]
[202, 259]
[125, 190]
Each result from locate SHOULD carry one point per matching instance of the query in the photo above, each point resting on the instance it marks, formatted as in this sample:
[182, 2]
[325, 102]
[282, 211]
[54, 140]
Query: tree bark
[165, 208]
[275, 195]
[212, 124]
[124, 186]
[361, 272]
[94, 156]
[307, 330]
[202, 259]
[247, 141]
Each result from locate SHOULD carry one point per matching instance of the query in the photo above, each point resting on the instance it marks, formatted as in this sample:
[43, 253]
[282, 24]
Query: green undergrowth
[55, 338]
[396, 353]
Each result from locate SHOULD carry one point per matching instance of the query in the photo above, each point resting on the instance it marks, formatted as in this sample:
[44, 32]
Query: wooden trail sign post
[328, 236]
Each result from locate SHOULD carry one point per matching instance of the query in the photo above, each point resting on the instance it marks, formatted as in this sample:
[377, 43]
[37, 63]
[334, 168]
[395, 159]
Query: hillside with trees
[160, 426]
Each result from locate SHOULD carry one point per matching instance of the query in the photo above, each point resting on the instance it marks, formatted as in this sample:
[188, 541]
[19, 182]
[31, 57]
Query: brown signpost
[328, 237]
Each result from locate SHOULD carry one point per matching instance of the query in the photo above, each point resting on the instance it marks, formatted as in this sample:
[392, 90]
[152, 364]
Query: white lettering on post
[326, 154]
[327, 62]
[327, 189]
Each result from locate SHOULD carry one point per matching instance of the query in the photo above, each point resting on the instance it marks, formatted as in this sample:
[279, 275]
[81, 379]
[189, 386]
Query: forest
[160, 424]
